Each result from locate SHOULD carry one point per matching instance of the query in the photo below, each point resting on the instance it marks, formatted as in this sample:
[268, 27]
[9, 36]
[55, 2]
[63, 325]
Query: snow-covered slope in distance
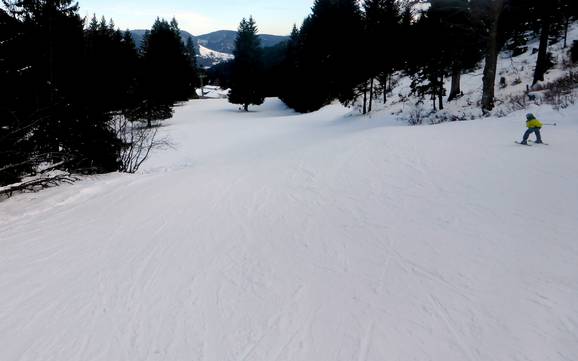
[213, 57]
[274, 236]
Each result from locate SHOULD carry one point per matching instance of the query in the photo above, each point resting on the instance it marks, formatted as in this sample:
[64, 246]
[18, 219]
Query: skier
[534, 126]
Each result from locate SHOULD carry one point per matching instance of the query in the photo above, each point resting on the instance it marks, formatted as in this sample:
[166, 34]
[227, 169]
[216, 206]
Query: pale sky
[199, 17]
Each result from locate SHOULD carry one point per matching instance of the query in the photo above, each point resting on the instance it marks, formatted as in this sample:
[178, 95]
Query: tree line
[78, 94]
[349, 50]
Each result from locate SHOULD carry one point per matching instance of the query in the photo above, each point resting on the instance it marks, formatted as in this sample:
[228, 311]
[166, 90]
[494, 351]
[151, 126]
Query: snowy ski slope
[329, 237]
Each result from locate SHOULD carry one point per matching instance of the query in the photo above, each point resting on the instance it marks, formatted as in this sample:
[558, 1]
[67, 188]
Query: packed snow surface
[329, 237]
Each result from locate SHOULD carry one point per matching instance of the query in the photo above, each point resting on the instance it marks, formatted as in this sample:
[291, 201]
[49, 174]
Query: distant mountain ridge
[222, 41]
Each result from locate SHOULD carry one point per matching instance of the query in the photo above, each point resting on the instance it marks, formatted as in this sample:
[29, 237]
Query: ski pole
[554, 124]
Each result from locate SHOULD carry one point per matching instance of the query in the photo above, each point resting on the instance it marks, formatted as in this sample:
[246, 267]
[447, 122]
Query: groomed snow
[274, 236]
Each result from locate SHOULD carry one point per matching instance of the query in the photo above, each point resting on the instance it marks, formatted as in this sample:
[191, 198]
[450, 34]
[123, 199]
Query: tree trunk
[456, 78]
[542, 62]
[384, 86]
[489, 79]
[370, 95]
[566, 24]
[434, 96]
[149, 117]
[365, 98]
[441, 93]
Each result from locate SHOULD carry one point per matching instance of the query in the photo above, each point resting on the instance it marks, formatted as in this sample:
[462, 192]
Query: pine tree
[64, 130]
[383, 24]
[246, 85]
[62, 86]
[427, 72]
[192, 58]
[324, 57]
[15, 147]
[459, 39]
[289, 82]
[167, 71]
[375, 28]
[93, 26]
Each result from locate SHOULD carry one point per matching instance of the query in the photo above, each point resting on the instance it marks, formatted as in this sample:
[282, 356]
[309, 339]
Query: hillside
[517, 74]
[138, 36]
[224, 40]
[209, 57]
[327, 236]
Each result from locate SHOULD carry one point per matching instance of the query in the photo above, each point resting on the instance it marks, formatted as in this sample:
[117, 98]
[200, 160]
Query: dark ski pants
[530, 131]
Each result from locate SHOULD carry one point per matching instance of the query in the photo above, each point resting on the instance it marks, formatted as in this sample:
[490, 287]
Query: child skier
[534, 126]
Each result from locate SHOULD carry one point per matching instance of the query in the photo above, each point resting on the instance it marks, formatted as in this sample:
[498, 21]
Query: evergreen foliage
[289, 91]
[448, 38]
[324, 62]
[63, 85]
[383, 24]
[168, 68]
[51, 109]
[247, 72]
[221, 74]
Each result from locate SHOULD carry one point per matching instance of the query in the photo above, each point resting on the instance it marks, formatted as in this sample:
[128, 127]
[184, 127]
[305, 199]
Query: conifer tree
[459, 39]
[427, 72]
[64, 131]
[15, 147]
[383, 23]
[246, 83]
[167, 71]
[325, 63]
[375, 29]
[192, 58]
[289, 82]
[63, 84]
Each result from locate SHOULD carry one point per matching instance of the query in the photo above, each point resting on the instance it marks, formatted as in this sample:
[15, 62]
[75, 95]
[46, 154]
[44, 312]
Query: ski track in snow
[328, 236]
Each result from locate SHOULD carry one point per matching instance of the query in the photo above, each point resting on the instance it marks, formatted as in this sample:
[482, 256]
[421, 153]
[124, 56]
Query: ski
[539, 143]
[529, 145]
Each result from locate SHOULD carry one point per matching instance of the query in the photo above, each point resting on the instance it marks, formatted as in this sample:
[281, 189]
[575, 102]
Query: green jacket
[534, 123]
